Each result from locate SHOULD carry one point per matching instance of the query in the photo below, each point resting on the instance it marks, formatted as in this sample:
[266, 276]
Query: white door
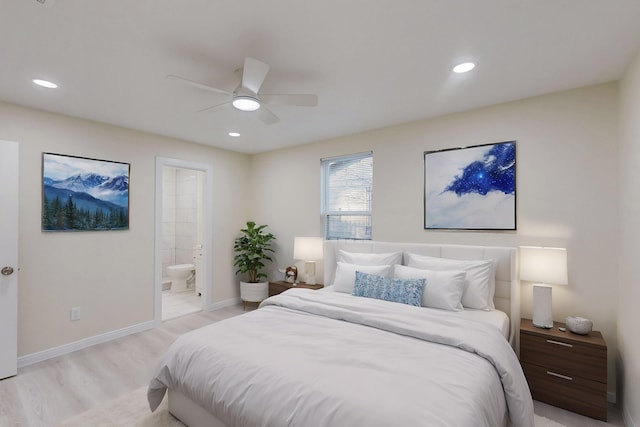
[8, 259]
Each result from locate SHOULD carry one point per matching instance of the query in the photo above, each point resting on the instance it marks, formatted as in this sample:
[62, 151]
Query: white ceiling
[372, 63]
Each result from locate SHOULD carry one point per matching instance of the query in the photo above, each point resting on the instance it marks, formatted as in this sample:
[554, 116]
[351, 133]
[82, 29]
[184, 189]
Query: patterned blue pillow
[405, 291]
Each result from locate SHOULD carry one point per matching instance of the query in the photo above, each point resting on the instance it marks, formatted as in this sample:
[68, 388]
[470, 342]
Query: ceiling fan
[247, 96]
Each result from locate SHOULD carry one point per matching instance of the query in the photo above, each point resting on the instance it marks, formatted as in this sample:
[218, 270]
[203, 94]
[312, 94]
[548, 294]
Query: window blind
[347, 196]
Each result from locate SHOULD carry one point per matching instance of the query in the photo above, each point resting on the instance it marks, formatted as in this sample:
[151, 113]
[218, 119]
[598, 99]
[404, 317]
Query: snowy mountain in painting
[114, 189]
[118, 183]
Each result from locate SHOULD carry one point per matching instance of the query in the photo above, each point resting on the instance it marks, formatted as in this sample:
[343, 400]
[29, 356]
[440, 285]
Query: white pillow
[480, 283]
[360, 258]
[443, 288]
[345, 276]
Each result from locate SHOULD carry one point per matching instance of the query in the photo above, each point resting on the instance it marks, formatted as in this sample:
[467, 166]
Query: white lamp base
[310, 272]
[542, 317]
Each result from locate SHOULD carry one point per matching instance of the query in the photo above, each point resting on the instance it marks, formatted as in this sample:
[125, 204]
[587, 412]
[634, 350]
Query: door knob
[6, 271]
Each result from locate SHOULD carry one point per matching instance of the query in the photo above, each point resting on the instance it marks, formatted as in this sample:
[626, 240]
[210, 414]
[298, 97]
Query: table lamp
[309, 250]
[543, 266]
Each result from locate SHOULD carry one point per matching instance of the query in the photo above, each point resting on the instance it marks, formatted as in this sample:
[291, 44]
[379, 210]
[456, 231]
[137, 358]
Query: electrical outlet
[75, 313]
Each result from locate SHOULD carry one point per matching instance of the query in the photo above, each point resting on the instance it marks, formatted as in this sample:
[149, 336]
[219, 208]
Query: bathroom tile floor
[178, 304]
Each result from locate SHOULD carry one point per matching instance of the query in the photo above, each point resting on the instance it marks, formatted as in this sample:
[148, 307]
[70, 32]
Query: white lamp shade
[307, 248]
[543, 265]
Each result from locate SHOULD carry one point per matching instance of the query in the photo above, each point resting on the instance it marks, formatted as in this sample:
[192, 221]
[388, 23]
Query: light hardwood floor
[46, 393]
[176, 304]
[49, 392]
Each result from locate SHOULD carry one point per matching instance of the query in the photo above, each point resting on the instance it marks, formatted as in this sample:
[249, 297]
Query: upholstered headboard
[507, 295]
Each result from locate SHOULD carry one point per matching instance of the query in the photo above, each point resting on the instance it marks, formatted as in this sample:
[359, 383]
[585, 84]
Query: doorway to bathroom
[182, 237]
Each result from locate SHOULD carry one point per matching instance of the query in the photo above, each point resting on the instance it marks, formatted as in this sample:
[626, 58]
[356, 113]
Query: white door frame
[207, 239]
[9, 175]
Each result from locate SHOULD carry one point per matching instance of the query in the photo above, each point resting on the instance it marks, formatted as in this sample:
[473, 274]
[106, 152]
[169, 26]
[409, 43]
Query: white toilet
[179, 275]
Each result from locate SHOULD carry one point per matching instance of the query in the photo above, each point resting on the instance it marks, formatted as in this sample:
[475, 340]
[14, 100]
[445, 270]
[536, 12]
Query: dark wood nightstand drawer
[565, 356]
[280, 286]
[570, 392]
[564, 369]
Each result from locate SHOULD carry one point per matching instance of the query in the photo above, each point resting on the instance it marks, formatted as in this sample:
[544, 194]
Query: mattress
[309, 359]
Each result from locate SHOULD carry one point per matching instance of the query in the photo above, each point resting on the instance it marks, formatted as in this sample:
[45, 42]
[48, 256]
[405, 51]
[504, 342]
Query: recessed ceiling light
[464, 67]
[45, 83]
[246, 103]
[234, 134]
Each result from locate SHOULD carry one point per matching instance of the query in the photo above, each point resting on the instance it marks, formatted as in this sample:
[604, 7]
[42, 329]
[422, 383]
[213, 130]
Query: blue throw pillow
[405, 291]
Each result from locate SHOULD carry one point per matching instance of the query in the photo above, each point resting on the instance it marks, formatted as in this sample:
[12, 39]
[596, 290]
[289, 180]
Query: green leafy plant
[251, 250]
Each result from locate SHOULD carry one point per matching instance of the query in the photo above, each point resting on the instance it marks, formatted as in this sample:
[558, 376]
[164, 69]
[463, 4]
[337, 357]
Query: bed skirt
[190, 413]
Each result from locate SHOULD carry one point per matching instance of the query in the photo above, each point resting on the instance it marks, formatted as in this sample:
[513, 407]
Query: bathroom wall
[182, 205]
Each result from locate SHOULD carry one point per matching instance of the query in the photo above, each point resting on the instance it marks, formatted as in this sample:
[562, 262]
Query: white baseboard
[40, 356]
[223, 304]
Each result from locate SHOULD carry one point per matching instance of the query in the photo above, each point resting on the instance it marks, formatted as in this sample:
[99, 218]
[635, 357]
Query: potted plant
[251, 250]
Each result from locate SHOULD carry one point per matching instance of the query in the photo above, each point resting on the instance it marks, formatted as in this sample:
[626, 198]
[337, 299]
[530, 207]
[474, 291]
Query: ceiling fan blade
[213, 107]
[199, 85]
[253, 74]
[267, 117]
[300, 100]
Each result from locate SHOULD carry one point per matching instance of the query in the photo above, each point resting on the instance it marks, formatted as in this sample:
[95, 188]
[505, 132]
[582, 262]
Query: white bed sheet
[304, 359]
[496, 318]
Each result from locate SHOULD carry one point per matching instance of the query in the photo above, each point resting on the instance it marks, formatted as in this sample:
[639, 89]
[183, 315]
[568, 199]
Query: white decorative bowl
[579, 325]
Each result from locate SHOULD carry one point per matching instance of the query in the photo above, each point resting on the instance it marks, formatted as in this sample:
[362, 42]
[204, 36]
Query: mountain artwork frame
[84, 194]
[471, 188]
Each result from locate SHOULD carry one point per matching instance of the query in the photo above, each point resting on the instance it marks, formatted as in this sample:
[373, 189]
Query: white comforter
[330, 359]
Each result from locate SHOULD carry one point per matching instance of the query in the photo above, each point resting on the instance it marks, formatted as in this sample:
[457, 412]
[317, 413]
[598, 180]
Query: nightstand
[565, 369]
[278, 287]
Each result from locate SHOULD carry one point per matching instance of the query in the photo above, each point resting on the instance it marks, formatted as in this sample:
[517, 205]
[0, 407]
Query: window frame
[325, 212]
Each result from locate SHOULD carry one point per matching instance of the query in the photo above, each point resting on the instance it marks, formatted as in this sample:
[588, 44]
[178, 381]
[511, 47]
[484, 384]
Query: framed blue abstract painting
[471, 188]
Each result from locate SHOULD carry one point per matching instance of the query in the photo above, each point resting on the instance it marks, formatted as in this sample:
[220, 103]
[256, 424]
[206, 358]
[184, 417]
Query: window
[346, 196]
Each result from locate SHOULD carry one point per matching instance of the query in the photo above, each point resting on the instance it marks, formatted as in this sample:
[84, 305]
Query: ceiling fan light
[246, 103]
[45, 83]
[464, 67]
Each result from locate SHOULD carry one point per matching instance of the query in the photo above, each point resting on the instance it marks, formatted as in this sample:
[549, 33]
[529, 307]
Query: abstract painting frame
[84, 194]
[471, 188]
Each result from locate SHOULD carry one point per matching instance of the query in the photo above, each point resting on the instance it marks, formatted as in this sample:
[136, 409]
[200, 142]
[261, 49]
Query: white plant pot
[254, 292]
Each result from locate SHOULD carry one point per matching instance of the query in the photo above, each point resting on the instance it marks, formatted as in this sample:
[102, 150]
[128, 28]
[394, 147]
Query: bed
[330, 358]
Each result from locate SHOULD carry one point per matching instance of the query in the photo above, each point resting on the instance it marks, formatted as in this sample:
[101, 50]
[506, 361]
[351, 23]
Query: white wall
[567, 195]
[629, 290]
[109, 275]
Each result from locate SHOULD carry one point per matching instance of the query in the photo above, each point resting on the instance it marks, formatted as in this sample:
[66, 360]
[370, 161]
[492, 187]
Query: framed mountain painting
[81, 194]
[471, 188]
